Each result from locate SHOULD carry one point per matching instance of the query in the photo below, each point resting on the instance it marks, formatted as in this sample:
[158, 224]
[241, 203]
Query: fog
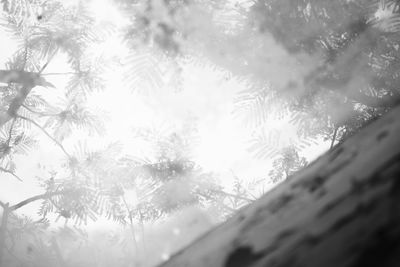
[128, 129]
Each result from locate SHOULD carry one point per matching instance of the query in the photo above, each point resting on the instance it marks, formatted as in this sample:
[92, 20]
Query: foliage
[44, 31]
[325, 67]
[330, 66]
[355, 75]
[286, 164]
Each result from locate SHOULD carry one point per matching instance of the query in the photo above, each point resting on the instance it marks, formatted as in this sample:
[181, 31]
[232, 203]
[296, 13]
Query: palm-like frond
[386, 16]
[170, 143]
[310, 125]
[96, 165]
[144, 73]
[112, 208]
[79, 202]
[20, 15]
[13, 141]
[259, 103]
[265, 144]
[253, 106]
[74, 116]
[286, 164]
[23, 9]
[88, 77]
[24, 143]
[36, 102]
[22, 59]
[24, 225]
[65, 29]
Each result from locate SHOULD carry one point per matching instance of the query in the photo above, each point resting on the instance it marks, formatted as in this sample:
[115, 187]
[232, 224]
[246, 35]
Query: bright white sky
[207, 94]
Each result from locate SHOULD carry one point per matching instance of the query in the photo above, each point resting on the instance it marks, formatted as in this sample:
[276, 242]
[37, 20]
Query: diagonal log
[342, 210]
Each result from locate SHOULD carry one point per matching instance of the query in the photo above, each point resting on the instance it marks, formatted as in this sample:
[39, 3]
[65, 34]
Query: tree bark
[343, 210]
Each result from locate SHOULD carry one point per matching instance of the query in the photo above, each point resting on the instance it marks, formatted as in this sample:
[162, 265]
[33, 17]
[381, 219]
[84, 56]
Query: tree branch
[47, 134]
[371, 101]
[334, 137]
[10, 133]
[59, 73]
[38, 197]
[48, 61]
[25, 78]
[231, 195]
[10, 172]
[39, 113]
[28, 80]
[130, 223]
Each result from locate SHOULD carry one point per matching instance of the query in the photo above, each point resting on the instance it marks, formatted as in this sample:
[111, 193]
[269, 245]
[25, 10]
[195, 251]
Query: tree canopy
[320, 69]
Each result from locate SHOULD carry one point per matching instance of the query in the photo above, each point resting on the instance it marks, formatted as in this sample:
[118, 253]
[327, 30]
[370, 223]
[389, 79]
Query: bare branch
[39, 113]
[10, 172]
[60, 73]
[48, 61]
[38, 197]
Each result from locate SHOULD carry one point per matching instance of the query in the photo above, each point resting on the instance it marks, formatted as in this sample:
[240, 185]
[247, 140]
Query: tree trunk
[343, 210]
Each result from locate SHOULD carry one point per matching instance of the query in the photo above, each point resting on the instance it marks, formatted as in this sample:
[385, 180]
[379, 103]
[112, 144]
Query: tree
[63, 194]
[43, 31]
[342, 210]
[288, 163]
[354, 79]
[41, 40]
[86, 184]
[331, 67]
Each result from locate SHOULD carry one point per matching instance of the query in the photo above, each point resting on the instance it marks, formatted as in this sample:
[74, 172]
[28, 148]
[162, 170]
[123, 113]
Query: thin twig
[334, 137]
[46, 133]
[48, 61]
[231, 195]
[10, 132]
[59, 73]
[39, 113]
[131, 223]
[219, 202]
[10, 172]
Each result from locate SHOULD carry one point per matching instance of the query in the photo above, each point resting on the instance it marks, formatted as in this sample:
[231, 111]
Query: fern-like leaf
[386, 16]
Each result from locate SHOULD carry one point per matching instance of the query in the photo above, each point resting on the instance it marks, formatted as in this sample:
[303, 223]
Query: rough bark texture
[341, 211]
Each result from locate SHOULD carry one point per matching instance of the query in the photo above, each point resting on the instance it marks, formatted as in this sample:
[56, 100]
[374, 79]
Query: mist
[128, 129]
